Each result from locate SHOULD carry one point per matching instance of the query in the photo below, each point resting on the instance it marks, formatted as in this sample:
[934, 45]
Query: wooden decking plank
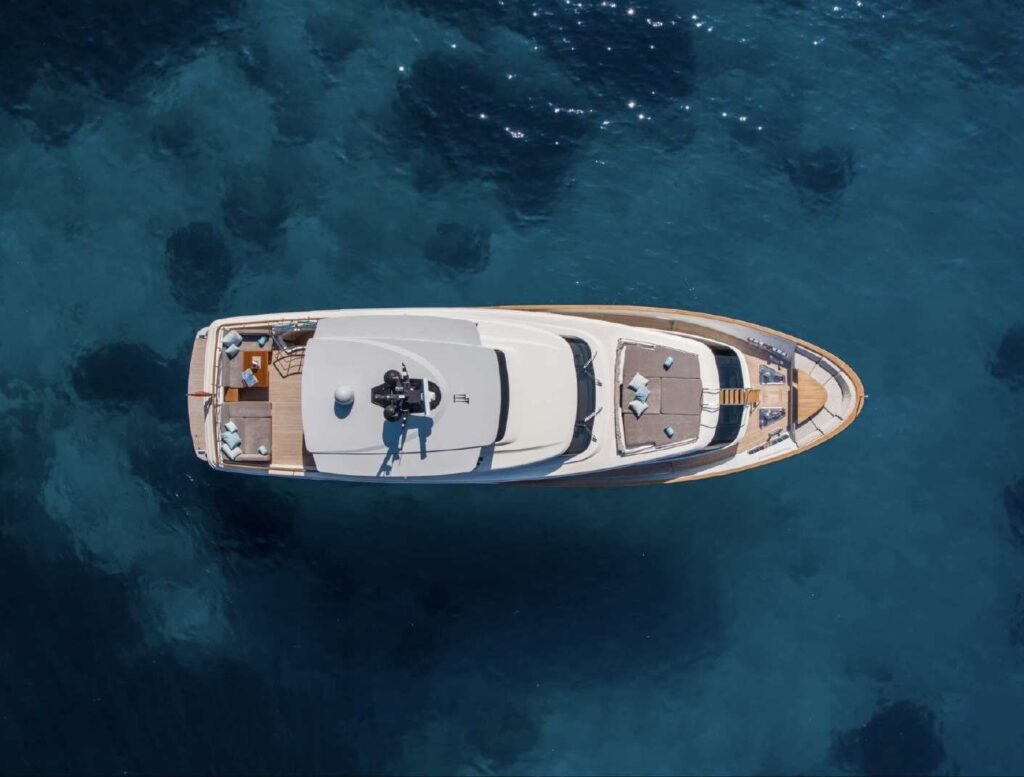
[197, 406]
[286, 418]
[810, 396]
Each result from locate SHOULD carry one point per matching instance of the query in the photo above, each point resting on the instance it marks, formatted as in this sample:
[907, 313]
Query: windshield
[586, 396]
[730, 375]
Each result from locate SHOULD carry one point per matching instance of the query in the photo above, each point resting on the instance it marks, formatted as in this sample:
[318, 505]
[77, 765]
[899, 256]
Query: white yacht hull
[818, 397]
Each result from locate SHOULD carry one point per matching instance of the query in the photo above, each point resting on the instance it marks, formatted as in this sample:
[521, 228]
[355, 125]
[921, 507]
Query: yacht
[573, 395]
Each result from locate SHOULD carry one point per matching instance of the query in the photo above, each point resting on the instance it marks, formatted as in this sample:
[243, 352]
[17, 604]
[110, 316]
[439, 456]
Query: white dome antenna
[344, 395]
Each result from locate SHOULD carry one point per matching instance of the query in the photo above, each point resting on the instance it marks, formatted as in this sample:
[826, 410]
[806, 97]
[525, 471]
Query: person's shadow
[394, 434]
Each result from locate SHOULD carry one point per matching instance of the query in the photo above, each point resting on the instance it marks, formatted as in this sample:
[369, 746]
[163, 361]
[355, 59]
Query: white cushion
[637, 381]
[638, 407]
[232, 351]
[231, 439]
[230, 426]
[642, 393]
[263, 450]
[231, 338]
[231, 453]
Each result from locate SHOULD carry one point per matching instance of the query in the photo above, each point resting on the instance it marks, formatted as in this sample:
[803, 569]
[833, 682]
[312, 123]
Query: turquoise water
[845, 171]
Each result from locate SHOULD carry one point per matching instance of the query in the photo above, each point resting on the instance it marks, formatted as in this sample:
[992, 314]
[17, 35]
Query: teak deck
[289, 451]
[197, 406]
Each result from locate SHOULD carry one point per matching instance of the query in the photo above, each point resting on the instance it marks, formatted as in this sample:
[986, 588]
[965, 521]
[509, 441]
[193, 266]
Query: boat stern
[200, 394]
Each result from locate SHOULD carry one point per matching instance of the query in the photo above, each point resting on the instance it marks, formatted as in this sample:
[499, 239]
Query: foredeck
[819, 394]
[774, 395]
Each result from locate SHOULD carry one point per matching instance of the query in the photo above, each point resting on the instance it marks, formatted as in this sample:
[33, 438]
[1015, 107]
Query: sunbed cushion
[651, 361]
[637, 381]
[681, 396]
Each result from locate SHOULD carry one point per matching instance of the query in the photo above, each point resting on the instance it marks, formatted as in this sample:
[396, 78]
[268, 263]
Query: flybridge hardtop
[565, 395]
[443, 430]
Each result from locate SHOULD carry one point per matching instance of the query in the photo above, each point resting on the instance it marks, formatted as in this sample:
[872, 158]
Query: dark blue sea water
[849, 171]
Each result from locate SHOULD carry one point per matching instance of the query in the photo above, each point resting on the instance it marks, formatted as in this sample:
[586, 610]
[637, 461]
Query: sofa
[231, 367]
[253, 420]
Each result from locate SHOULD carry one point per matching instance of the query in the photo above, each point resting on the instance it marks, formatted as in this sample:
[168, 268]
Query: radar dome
[344, 395]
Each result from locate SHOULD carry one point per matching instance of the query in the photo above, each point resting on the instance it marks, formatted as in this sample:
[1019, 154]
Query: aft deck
[286, 398]
[267, 414]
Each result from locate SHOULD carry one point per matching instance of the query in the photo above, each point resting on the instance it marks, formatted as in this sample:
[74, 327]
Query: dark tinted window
[586, 396]
[503, 412]
[730, 375]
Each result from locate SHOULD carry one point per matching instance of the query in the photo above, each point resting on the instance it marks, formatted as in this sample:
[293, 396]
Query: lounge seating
[650, 362]
[675, 398]
[231, 368]
[254, 427]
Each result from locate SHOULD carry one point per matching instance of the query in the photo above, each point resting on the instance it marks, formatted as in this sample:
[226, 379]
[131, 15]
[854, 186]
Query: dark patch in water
[198, 265]
[94, 659]
[1008, 364]
[297, 114]
[436, 599]
[1017, 623]
[294, 84]
[243, 518]
[121, 375]
[334, 577]
[52, 113]
[251, 520]
[253, 59]
[419, 648]
[821, 174]
[254, 206]
[459, 247]
[332, 38]
[484, 125]
[502, 733]
[102, 44]
[901, 738]
[1013, 499]
[176, 135]
[639, 51]
[27, 430]
[544, 599]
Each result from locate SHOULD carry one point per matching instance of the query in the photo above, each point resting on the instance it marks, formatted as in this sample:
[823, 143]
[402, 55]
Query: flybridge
[396, 426]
